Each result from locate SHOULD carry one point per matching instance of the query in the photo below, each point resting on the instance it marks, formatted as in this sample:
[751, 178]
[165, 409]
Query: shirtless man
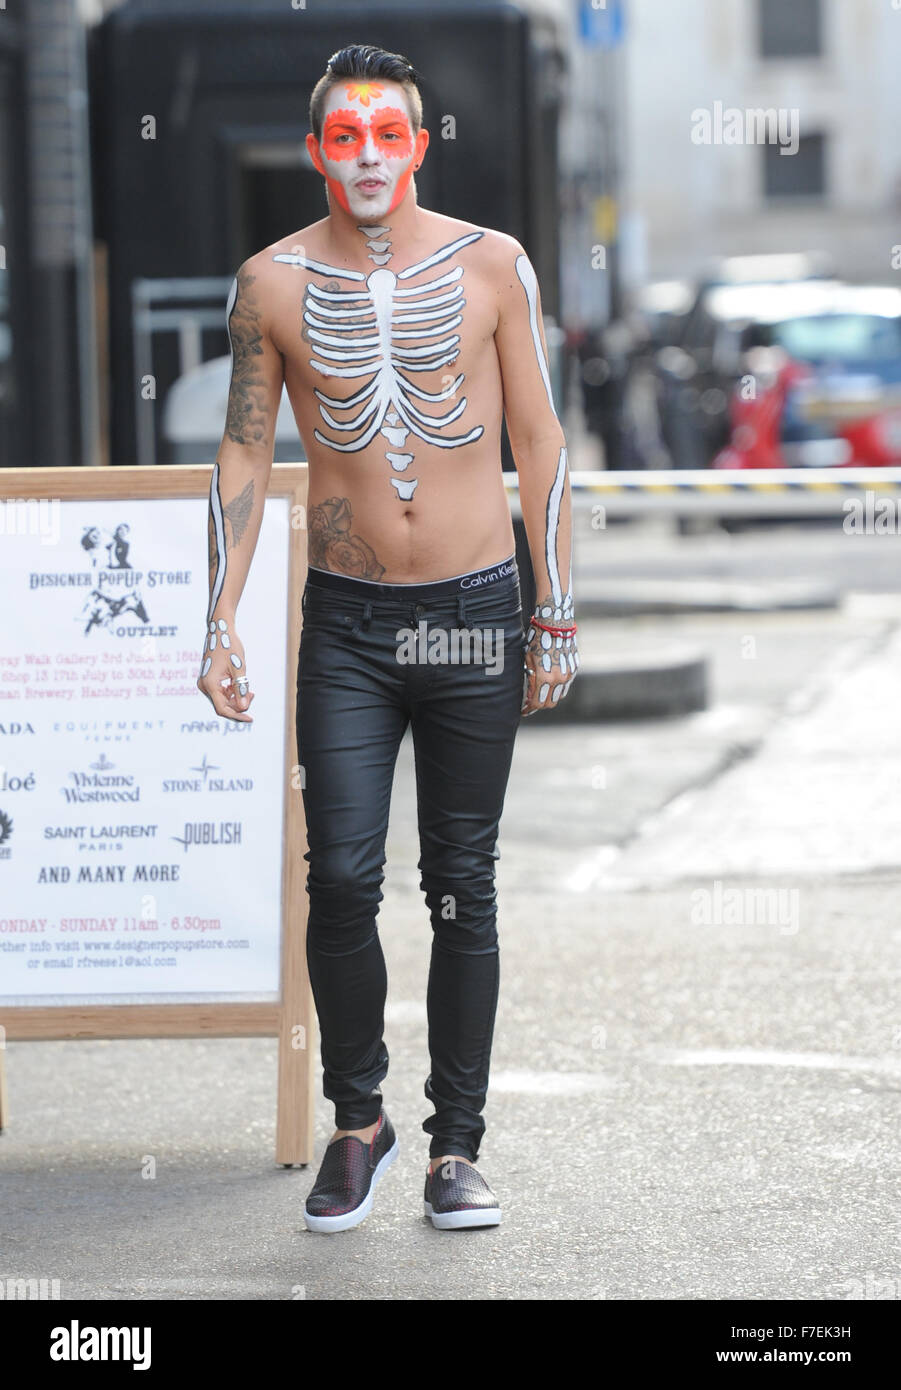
[401, 335]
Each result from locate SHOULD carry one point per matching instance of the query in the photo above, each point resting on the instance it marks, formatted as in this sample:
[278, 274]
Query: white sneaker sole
[455, 1220]
[348, 1219]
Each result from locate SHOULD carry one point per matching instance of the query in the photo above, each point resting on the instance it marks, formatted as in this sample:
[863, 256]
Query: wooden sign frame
[293, 1015]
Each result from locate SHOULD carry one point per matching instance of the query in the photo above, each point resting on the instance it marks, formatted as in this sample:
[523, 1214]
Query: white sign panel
[140, 834]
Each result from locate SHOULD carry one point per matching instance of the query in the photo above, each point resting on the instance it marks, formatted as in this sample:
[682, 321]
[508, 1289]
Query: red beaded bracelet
[557, 631]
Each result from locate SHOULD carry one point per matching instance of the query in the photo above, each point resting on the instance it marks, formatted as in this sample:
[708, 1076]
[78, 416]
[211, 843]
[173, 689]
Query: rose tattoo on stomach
[332, 545]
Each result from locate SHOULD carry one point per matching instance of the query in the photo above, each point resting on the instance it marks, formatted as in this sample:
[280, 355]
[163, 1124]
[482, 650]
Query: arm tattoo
[212, 547]
[238, 511]
[247, 419]
[332, 547]
[237, 514]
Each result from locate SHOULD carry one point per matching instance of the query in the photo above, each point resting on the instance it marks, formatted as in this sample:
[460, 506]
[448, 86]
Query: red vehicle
[823, 381]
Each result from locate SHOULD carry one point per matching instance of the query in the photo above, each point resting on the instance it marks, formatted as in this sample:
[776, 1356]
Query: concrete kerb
[612, 597]
[669, 680]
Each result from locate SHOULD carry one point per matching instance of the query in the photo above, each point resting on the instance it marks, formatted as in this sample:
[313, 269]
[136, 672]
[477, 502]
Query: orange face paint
[344, 133]
[403, 184]
[381, 128]
[363, 92]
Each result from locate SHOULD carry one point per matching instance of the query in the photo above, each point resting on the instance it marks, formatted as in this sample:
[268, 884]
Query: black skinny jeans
[355, 699]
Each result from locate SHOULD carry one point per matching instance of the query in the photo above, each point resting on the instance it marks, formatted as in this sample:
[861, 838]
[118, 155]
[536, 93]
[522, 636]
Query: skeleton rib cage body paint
[367, 332]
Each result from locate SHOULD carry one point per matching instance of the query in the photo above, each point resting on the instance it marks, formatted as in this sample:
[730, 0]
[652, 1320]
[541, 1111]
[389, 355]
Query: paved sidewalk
[675, 1112]
[687, 1101]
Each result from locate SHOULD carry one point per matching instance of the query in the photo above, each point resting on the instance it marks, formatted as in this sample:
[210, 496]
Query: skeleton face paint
[368, 150]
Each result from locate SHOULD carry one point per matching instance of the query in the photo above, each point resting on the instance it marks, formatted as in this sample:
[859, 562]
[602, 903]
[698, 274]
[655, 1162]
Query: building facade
[828, 69]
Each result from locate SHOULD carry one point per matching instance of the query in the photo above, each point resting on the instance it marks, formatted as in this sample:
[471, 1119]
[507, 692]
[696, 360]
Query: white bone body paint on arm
[559, 611]
[218, 629]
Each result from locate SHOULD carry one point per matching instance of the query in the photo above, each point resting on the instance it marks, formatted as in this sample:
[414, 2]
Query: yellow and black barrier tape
[731, 480]
[739, 489]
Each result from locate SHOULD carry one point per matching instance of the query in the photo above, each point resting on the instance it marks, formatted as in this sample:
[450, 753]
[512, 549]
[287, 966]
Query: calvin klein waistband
[471, 582]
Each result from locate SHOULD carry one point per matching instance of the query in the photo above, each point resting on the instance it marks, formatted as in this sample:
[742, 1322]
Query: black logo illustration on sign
[205, 767]
[117, 548]
[207, 832]
[101, 609]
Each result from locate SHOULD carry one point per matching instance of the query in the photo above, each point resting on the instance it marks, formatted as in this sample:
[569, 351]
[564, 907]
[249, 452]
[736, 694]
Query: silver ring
[243, 684]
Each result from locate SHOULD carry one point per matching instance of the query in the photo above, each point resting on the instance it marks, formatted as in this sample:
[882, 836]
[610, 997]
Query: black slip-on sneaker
[457, 1195]
[351, 1169]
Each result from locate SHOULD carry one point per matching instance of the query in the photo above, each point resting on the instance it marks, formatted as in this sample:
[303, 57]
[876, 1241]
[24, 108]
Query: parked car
[697, 358]
[821, 378]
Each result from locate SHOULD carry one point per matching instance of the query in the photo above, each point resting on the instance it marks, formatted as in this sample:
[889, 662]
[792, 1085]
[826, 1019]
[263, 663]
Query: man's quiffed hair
[363, 61]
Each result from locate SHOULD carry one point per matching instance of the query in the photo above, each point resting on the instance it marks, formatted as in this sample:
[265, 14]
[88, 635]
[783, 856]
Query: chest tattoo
[387, 334]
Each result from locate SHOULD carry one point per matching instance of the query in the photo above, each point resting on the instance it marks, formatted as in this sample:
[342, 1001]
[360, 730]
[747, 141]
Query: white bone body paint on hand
[559, 611]
[218, 635]
[385, 317]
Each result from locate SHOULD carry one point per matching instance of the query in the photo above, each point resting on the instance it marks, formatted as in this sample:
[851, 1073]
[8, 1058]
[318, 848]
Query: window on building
[790, 30]
[800, 175]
